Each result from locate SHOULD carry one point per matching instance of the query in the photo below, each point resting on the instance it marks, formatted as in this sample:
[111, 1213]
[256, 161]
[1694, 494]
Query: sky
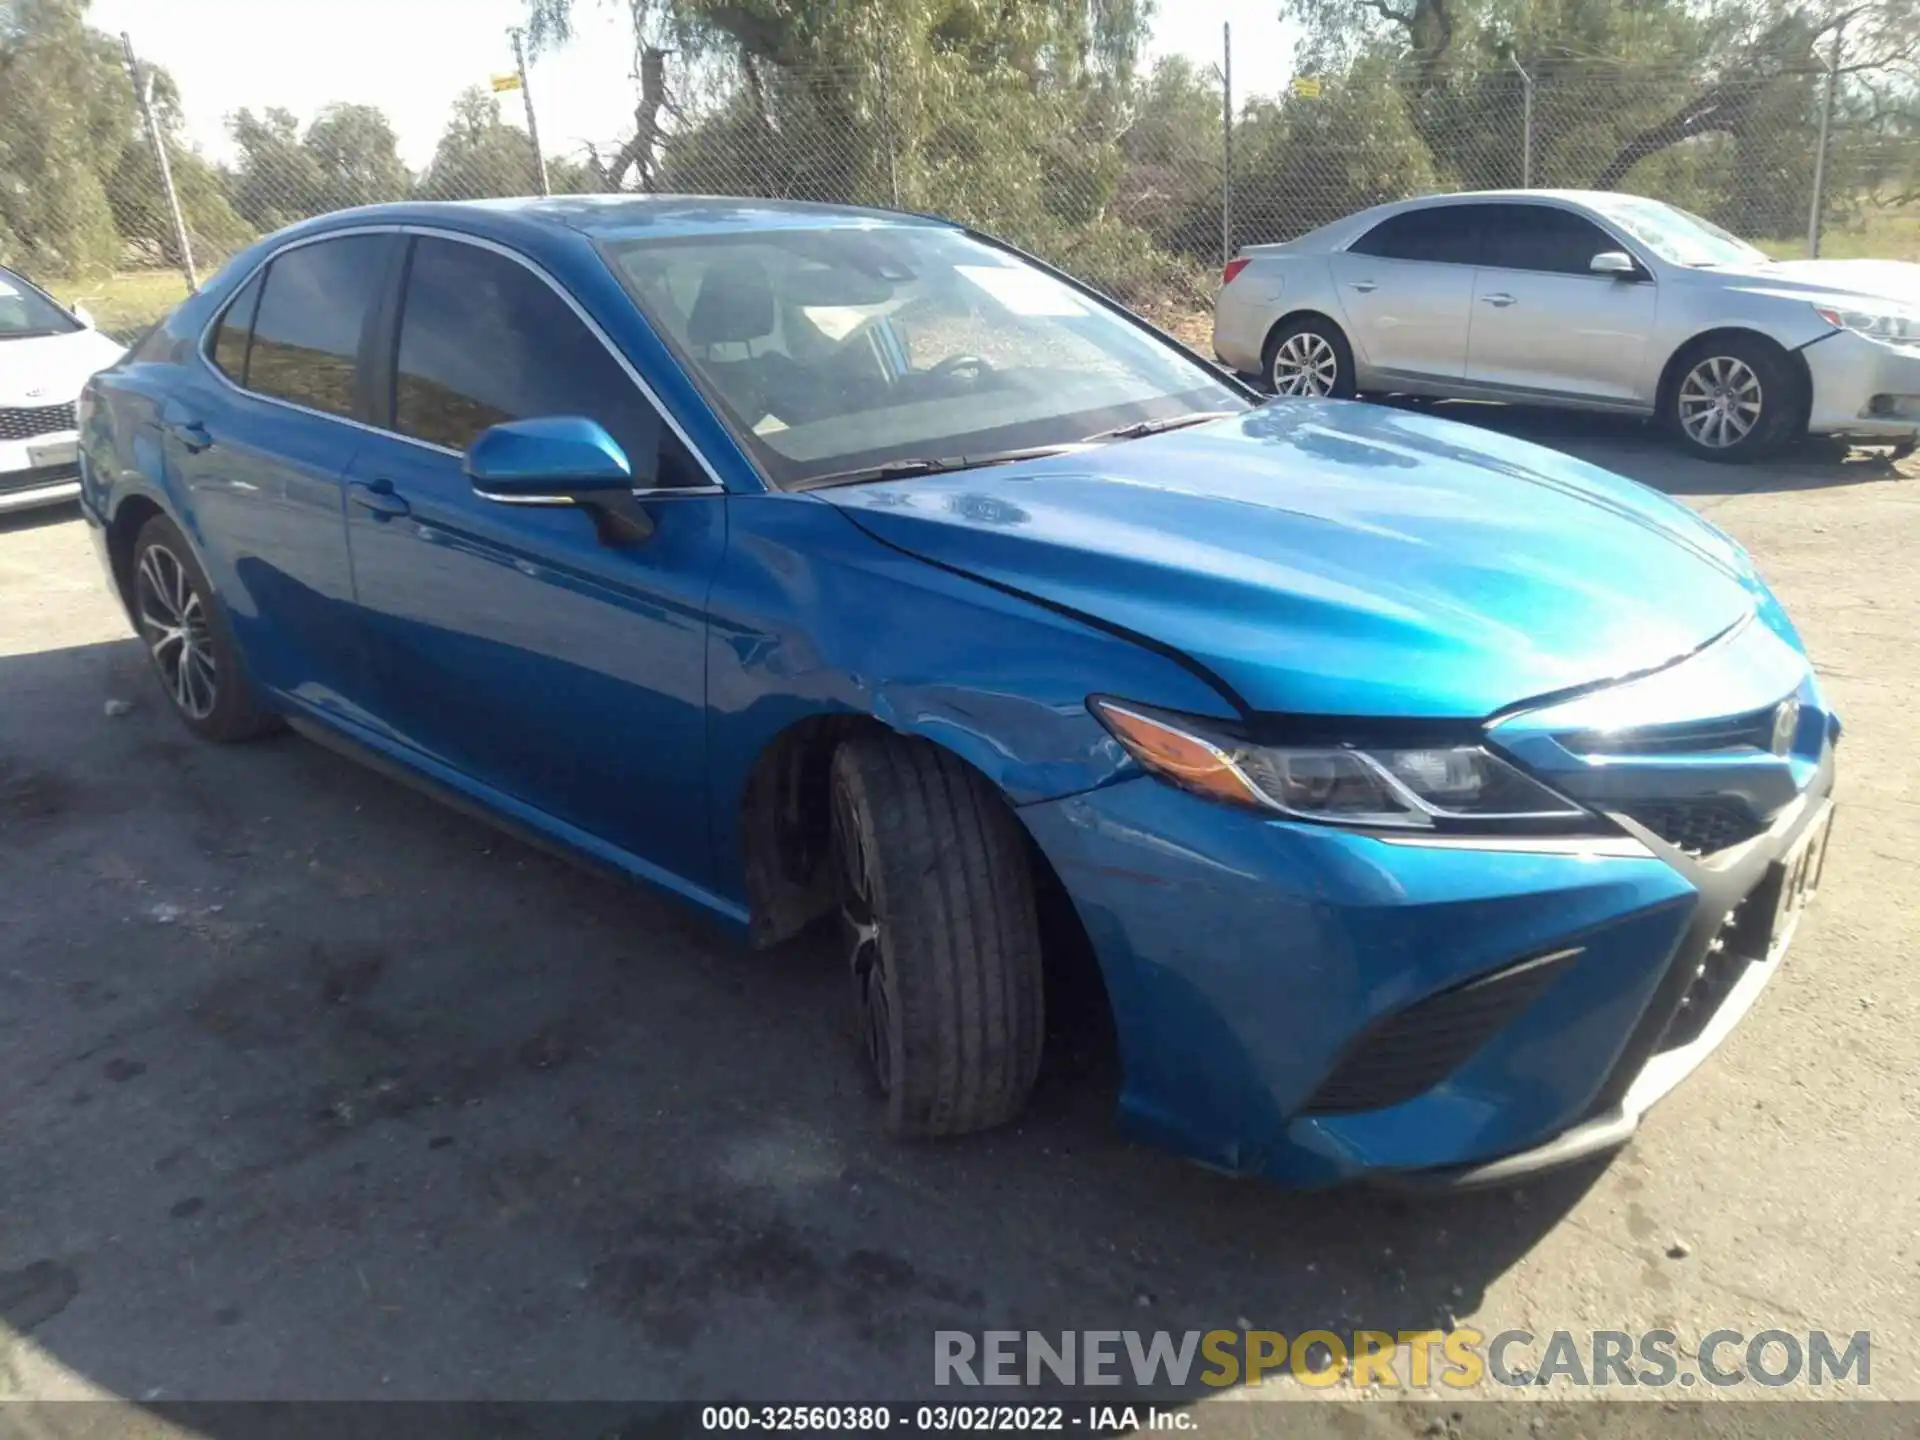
[411, 57]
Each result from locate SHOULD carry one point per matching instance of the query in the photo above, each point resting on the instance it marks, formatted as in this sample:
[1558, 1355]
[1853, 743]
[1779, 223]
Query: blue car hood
[1341, 559]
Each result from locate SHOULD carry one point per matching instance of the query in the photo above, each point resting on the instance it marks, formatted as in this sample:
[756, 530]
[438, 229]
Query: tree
[1714, 105]
[276, 180]
[357, 155]
[479, 154]
[79, 187]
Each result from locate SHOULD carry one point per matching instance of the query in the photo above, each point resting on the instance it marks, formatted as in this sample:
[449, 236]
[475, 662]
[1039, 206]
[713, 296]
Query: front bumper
[41, 471]
[1863, 389]
[1248, 961]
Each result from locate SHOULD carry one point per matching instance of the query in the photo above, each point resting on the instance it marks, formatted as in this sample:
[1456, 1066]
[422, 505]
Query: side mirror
[561, 460]
[1617, 263]
[83, 315]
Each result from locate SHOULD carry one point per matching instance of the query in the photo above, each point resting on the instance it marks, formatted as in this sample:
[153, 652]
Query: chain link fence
[1140, 187]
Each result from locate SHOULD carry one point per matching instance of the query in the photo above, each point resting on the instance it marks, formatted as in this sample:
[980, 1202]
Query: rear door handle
[1499, 302]
[191, 434]
[378, 497]
[1366, 287]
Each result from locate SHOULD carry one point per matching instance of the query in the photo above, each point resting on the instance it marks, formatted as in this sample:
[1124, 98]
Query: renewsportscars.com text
[1459, 1359]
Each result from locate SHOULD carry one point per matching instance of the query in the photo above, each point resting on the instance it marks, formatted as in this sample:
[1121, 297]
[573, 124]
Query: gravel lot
[312, 1088]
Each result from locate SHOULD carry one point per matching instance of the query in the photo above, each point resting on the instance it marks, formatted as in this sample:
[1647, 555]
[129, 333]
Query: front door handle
[191, 434]
[1366, 287]
[1499, 302]
[378, 497]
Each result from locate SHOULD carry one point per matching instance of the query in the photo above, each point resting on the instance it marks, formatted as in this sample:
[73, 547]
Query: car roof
[617, 217]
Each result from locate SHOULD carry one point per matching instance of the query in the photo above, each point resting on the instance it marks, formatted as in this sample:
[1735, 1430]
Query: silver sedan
[1584, 299]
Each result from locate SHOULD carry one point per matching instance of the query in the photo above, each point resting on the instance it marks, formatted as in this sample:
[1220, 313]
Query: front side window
[25, 312]
[485, 340]
[1440, 234]
[307, 327]
[835, 349]
[1539, 237]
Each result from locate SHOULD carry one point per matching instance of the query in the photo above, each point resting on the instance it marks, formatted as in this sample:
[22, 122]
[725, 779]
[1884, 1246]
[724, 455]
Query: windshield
[1676, 236]
[833, 350]
[25, 311]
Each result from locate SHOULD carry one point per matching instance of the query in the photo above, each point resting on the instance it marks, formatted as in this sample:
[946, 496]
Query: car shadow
[318, 1088]
[1638, 450]
[39, 517]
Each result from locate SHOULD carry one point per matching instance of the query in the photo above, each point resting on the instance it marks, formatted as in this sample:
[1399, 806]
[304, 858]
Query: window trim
[1462, 202]
[384, 315]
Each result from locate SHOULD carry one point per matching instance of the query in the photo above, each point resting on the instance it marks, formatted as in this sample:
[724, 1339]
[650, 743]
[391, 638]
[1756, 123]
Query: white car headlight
[1399, 788]
[1894, 324]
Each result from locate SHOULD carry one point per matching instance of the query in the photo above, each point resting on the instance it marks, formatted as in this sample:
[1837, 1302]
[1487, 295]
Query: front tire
[192, 648]
[937, 912]
[1734, 399]
[1309, 357]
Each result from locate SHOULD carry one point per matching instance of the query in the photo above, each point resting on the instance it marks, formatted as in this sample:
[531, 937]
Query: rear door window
[308, 326]
[1442, 234]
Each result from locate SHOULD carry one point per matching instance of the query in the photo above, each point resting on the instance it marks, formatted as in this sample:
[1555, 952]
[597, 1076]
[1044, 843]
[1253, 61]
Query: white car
[46, 354]
[1585, 299]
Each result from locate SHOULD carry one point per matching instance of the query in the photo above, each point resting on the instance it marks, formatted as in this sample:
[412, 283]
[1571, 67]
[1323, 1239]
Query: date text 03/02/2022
[1092, 1419]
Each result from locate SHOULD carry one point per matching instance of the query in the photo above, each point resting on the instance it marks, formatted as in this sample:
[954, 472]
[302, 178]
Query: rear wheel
[937, 913]
[1310, 356]
[188, 639]
[1734, 398]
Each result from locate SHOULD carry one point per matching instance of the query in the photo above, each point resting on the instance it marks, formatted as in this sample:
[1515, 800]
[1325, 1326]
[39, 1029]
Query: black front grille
[1741, 940]
[12, 482]
[25, 423]
[1699, 827]
[1751, 731]
[1414, 1049]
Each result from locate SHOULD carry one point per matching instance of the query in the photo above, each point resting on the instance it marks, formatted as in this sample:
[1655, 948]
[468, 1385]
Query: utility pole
[1226, 143]
[1820, 155]
[143, 97]
[1526, 125]
[533, 126]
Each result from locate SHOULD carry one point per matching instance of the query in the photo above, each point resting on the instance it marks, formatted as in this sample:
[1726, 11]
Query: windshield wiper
[1139, 429]
[927, 465]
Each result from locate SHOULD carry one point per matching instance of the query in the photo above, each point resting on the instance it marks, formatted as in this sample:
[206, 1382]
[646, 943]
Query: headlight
[1894, 324]
[1407, 789]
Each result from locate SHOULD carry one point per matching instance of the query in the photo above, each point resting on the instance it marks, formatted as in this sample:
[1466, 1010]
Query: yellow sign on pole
[505, 82]
[1307, 87]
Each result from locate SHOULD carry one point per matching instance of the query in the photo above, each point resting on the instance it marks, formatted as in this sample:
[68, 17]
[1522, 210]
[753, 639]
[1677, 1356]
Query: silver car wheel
[173, 622]
[1305, 364]
[1720, 402]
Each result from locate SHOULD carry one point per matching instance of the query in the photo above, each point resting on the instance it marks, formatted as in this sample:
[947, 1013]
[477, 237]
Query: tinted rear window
[1447, 234]
[229, 353]
[306, 333]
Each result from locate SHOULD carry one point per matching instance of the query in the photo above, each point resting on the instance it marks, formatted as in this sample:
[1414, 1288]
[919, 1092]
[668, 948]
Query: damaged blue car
[1431, 802]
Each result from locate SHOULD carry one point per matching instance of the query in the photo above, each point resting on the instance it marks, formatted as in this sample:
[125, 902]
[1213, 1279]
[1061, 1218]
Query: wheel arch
[1298, 312]
[785, 820]
[130, 516]
[1675, 366]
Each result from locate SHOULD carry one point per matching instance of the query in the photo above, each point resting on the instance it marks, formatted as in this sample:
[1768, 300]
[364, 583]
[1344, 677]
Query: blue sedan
[1432, 802]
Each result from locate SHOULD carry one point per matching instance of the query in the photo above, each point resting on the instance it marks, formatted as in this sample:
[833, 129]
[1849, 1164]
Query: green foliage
[479, 155]
[79, 188]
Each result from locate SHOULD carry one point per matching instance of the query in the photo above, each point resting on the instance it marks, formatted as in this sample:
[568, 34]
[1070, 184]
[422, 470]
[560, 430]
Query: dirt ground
[312, 1088]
